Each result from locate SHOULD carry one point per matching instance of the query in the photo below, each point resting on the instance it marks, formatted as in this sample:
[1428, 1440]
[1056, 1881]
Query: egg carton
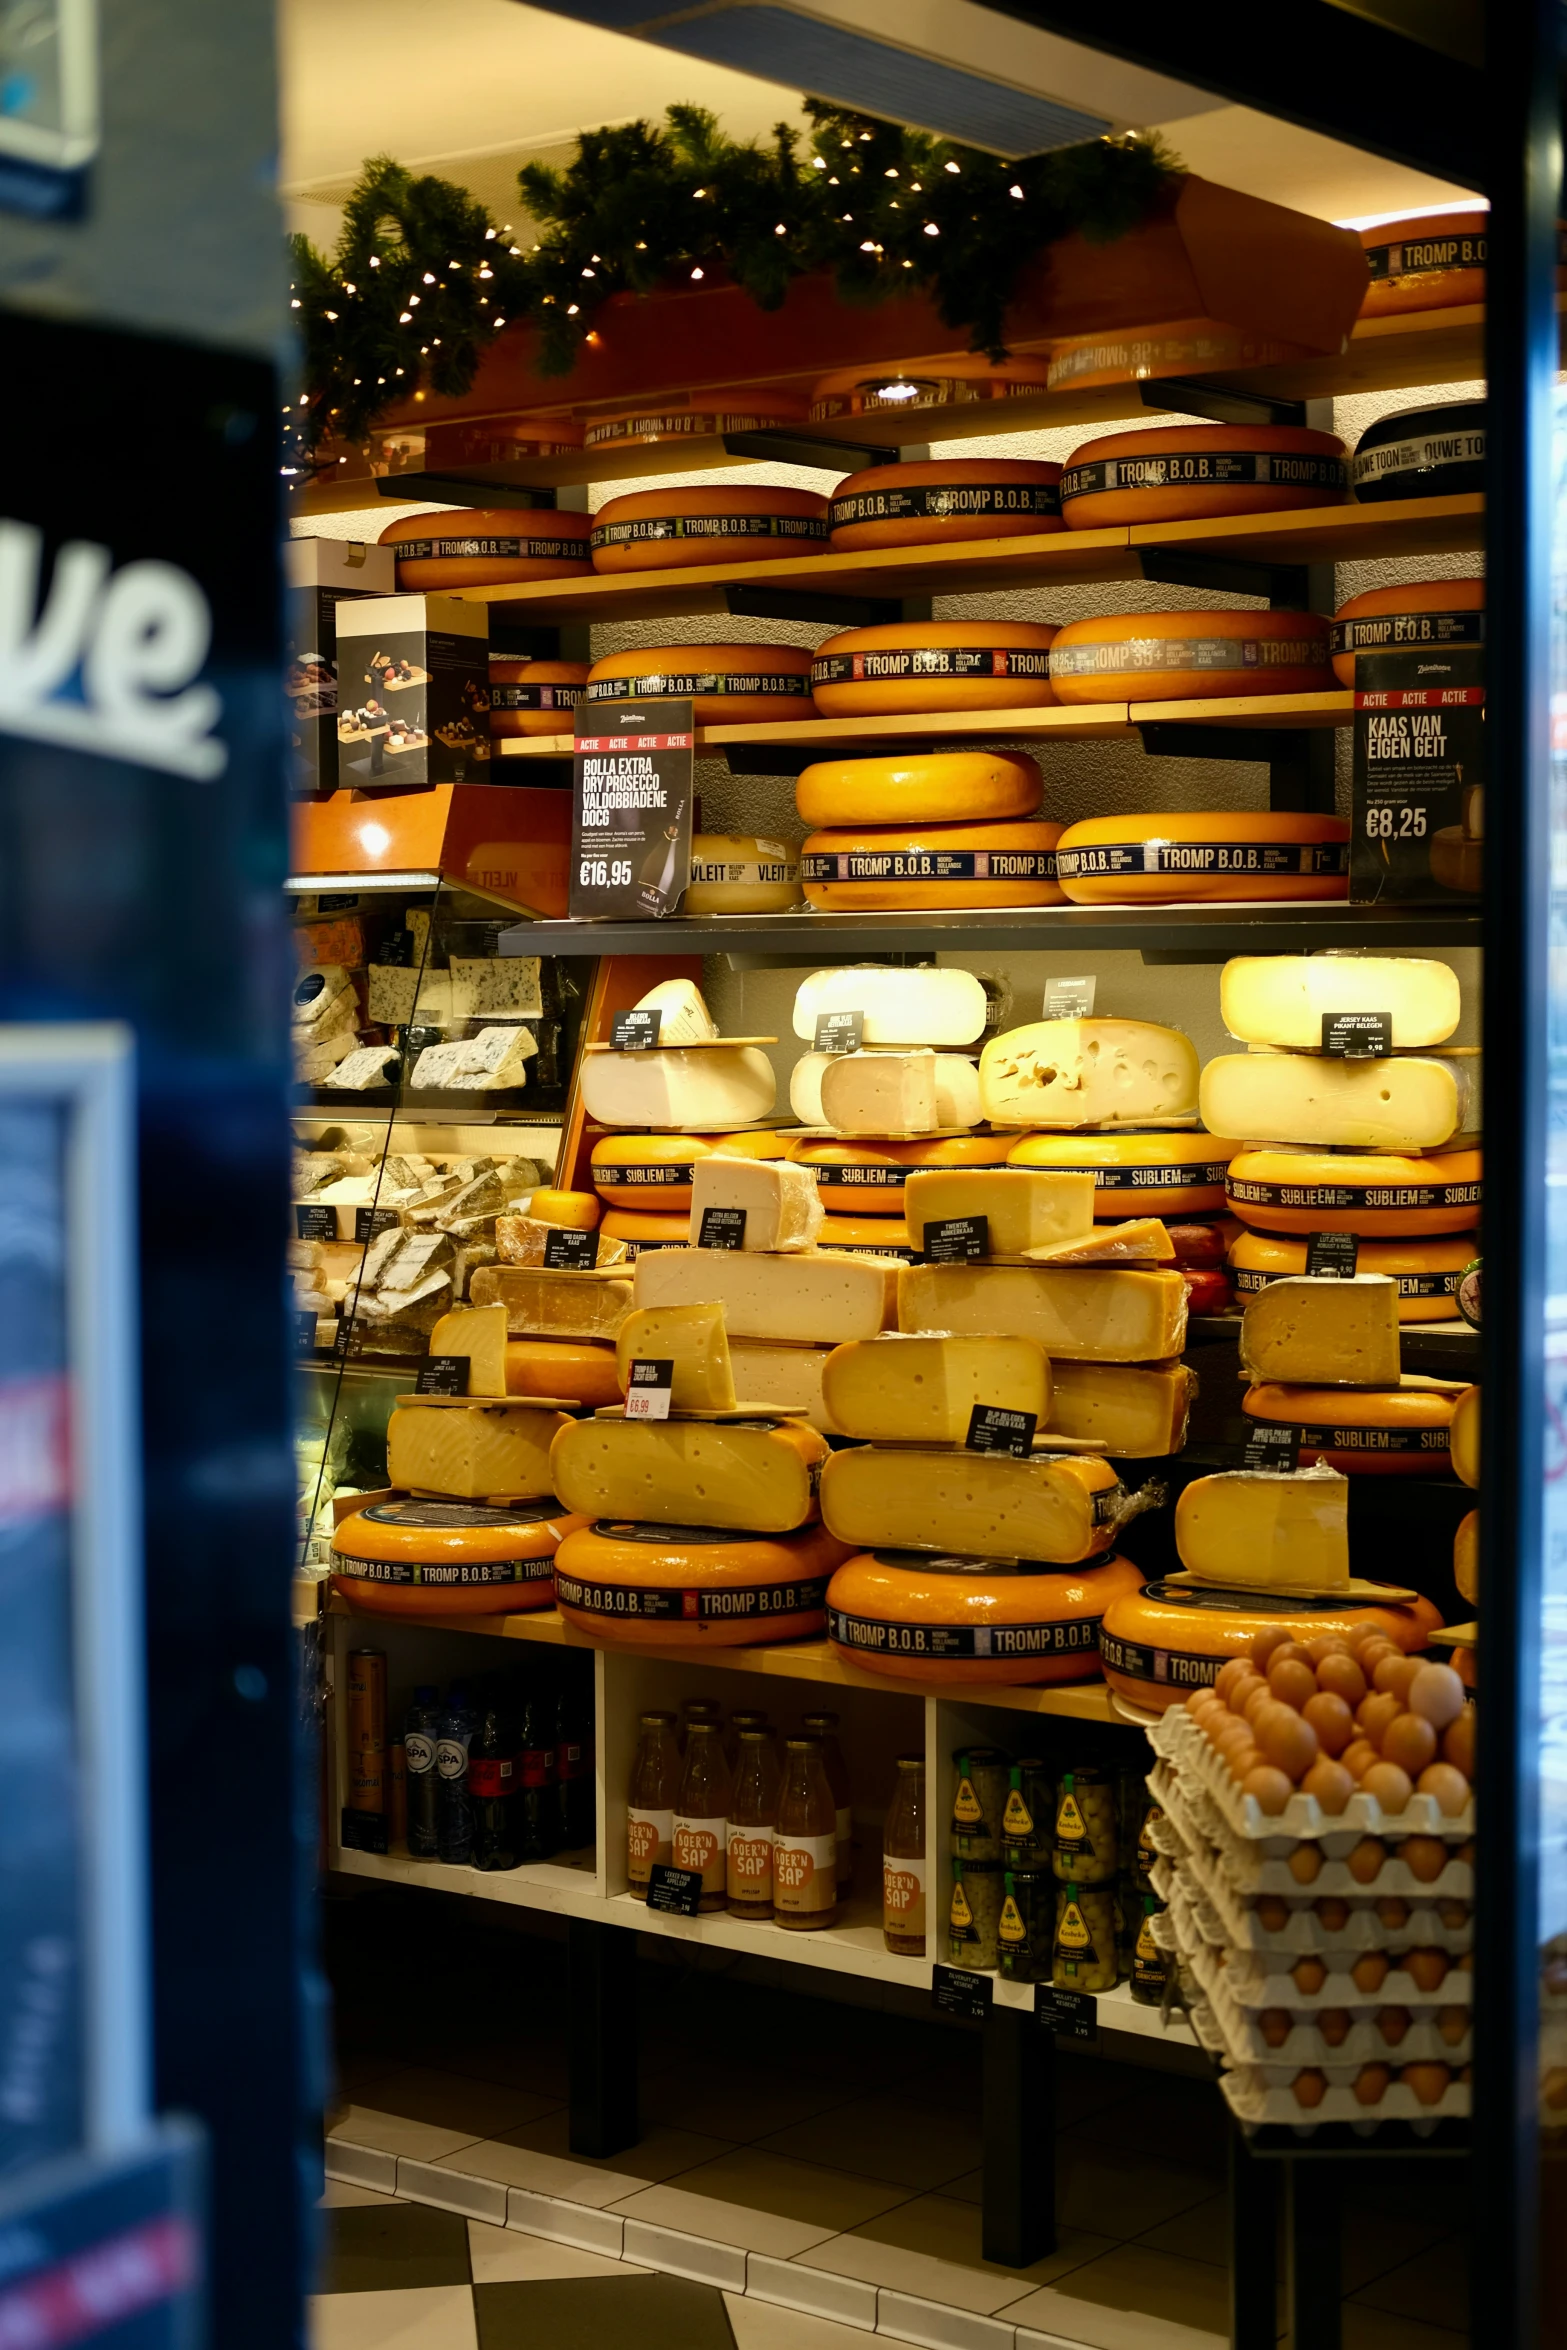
[1253, 1873]
[1175, 1738]
[1250, 1982]
[1239, 1925]
[1304, 2043]
[1255, 2103]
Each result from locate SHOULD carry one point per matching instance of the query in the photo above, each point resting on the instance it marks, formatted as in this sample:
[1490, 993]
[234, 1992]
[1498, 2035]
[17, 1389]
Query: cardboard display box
[414, 695]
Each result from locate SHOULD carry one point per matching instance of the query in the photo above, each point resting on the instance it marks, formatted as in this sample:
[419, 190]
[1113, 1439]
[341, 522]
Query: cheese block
[1404, 1103]
[449, 1558]
[728, 685]
[1232, 854]
[1457, 860]
[318, 992]
[1400, 1432]
[487, 986]
[1190, 656]
[646, 1170]
[969, 1621]
[778, 1200]
[811, 1299]
[867, 1236]
[534, 697]
[1424, 1273]
[723, 522]
[1265, 1530]
[636, 1584]
[489, 547]
[724, 1086]
[641, 1228]
[899, 1389]
[1377, 1197]
[1466, 1558]
[941, 382]
[1023, 1207]
[740, 873]
[931, 501]
[525, 1240]
[782, 1378]
[1188, 472]
[1085, 1314]
[471, 1451]
[477, 1331]
[1070, 1073]
[1435, 613]
[899, 1093]
[683, 1016]
[1323, 1332]
[921, 665]
[573, 1211]
[1159, 1644]
[1141, 1240]
[920, 787]
[1436, 452]
[1426, 261]
[921, 867]
[691, 1339]
[374, 1065]
[1466, 1437]
[314, 1063]
[1136, 1411]
[856, 1178]
[577, 1370]
[706, 416]
[1160, 1174]
[921, 1006]
[554, 1305]
[1056, 1508]
[1282, 1000]
[759, 1476]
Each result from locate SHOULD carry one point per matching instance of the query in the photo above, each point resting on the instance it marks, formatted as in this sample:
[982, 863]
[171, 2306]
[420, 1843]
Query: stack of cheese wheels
[1322, 1356]
[932, 501]
[703, 417]
[741, 873]
[1178, 346]
[926, 829]
[1422, 453]
[724, 522]
[488, 549]
[1232, 854]
[1190, 656]
[1429, 261]
[1428, 614]
[728, 685]
[534, 697]
[1189, 472]
[920, 665]
[952, 380]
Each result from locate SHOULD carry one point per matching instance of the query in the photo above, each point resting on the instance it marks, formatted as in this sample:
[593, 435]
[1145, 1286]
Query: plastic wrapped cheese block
[717, 1088]
[1320, 1331]
[929, 866]
[728, 685]
[970, 1621]
[1425, 1273]
[922, 1006]
[554, 1305]
[1434, 615]
[740, 873]
[1022, 1207]
[449, 1558]
[1422, 453]
[1059, 1508]
[1232, 854]
[486, 548]
[534, 697]
[1263, 1530]
[779, 1206]
[1136, 1411]
[576, 1370]
[1403, 1103]
[635, 1584]
[920, 787]
[901, 1389]
[526, 1240]
[1398, 1432]
[1158, 1644]
[915, 1092]
[782, 1378]
[646, 1170]
[692, 1341]
[930, 501]
[1375, 1195]
[1188, 472]
[921, 665]
[1282, 1000]
[758, 1476]
[1160, 1173]
[1466, 1436]
[1428, 261]
[1088, 1314]
[475, 1451]
[664, 529]
[1070, 1073]
[813, 1299]
[1190, 656]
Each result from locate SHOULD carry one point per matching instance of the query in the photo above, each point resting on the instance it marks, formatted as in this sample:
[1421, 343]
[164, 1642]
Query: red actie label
[635, 742]
[1434, 697]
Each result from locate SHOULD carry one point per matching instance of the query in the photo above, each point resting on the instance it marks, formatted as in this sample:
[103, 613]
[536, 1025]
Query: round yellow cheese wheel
[1434, 613]
[932, 865]
[670, 529]
[1427, 1271]
[739, 873]
[932, 501]
[1375, 1194]
[975, 1151]
[924, 665]
[485, 548]
[641, 1229]
[730, 685]
[534, 697]
[969, 1622]
[1429, 261]
[574, 1370]
[702, 417]
[920, 787]
[951, 380]
[1398, 1432]
[1187, 472]
[1177, 346]
[634, 1585]
[1165, 860]
[646, 1171]
[1190, 656]
[866, 1236]
[575, 1211]
[1159, 1173]
[754, 1142]
[1466, 1558]
[856, 1178]
[478, 440]
[449, 1558]
[1159, 1644]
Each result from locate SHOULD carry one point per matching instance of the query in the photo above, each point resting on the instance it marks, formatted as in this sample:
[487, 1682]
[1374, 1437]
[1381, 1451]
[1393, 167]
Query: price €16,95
[604, 872]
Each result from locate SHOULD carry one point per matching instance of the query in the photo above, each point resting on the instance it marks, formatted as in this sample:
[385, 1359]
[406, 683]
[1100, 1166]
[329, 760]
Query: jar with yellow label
[1025, 1932]
[1085, 1840]
[978, 1801]
[1028, 1816]
[1146, 1852]
[1150, 1966]
[974, 1914]
[1084, 1951]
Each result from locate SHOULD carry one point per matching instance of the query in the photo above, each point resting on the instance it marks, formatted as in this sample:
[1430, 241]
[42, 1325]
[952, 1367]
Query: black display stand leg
[1019, 2212]
[1311, 2188]
[602, 1996]
[1254, 2258]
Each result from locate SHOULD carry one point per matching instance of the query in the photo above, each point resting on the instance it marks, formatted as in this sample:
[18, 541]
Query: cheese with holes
[534, 697]
[524, 1240]
[573, 1211]
[1282, 1000]
[1160, 1174]
[471, 1450]
[577, 1370]
[488, 547]
[1398, 1432]
[637, 1229]
[725, 1085]
[1466, 1436]
[1407, 1102]
[781, 1378]
[920, 665]
[932, 500]
[1344, 1191]
[740, 873]
[1189, 472]
[1058, 1508]
[812, 1299]
[1086, 1314]
[633, 1584]
[867, 1236]
[1466, 1558]
[1425, 1273]
[899, 1389]
[1135, 1411]
[726, 522]
[759, 1476]
[779, 1201]
[727, 685]
[479, 1332]
[1434, 614]
[1191, 656]
[1458, 860]
[899, 1093]
[1318, 1331]
[1230, 854]
[922, 1006]
[646, 1170]
[1088, 1073]
[910, 867]
[691, 1339]
[969, 1621]
[1261, 1530]
[1158, 1644]
[1023, 1207]
[920, 787]
[683, 1016]
[449, 1558]
[554, 1305]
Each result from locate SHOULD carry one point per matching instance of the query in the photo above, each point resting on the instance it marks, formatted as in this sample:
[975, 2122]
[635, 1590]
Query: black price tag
[956, 1241]
[1069, 999]
[991, 1429]
[722, 1228]
[570, 1252]
[839, 1032]
[397, 948]
[649, 1389]
[631, 802]
[345, 1332]
[677, 1892]
[338, 902]
[368, 1222]
[1357, 1036]
[315, 1223]
[1270, 1446]
[1071, 2015]
[362, 1831]
[955, 1991]
[636, 1032]
[304, 1334]
[443, 1375]
[1332, 1256]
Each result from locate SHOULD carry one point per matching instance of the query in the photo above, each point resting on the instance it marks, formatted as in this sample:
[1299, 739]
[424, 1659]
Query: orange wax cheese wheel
[1159, 1644]
[1373, 1193]
[921, 866]
[702, 418]
[1190, 656]
[951, 380]
[1187, 472]
[730, 685]
[1466, 1558]
[642, 1228]
[646, 1171]
[1430, 261]
[487, 440]
[1434, 613]
[485, 548]
[976, 1151]
[1177, 346]
[871, 1236]
[449, 1558]
[637, 1585]
[571, 1370]
[534, 697]
[933, 500]
[966, 1621]
[1203, 859]
[924, 665]
[920, 787]
[574, 1211]
[670, 529]
[1427, 1271]
[856, 1178]
[1159, 1173]
[1399, 1432]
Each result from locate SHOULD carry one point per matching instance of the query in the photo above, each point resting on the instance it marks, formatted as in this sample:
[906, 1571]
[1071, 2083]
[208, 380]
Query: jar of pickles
[1083, 1957]
[1150, 1966]
[1028, 1816]
[1025, 1933]
[978, 1801]
[974, 1914]
[1085, 1840]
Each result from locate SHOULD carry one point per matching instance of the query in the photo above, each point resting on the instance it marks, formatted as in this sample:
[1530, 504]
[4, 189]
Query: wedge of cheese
[1308, 1331]
[780, 1202]
[1066, 1073]
[1142, 1240]
[1136, 1412]
[692, 1340]
[1282, 1000]
[902, 1389]
[554, 1305]
[900, 1007]
[728, 1085]
[916, 1092]
[1055, 1508]
[479, 1332]
[1023, 1208]
[1403, 1103]
[1255, 1529]
[784, 1378]
[1466, 1437]
[809, 1299]
[1085, 1314]
[683, 1014]
[755, 1475]
[476, 1451]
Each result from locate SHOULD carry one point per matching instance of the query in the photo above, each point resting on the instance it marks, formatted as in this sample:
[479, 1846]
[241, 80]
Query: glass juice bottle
[753, 1816]
[650, 1810]
[698, 1709]
[903, 1862]
[825, 1727]
[805, 1844]
[702, 1813]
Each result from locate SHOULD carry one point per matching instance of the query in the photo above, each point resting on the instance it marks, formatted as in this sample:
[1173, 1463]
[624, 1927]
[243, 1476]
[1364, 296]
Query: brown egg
[1365, 1860]
[1290, 1648]
[1358, 1757]
[1372, 2082]
[1427, 2081]
[1332, 1912]
[1466, 1852]
[1375, 1646]
[1343, 1676]
[1392, 1913]
[1308, 1975]
[1204, 1701]
[1553, 2089]
[1426, 1969]
[1251, 1700]
[1269, 1788]
[1453, 2024]
[1370, 1970]
[1458, 1743]
[1245, 1689]
[1377, 1714]
[1275, 2024]
[1243, 1759]
[1437, 1692]
[1326, 1644]
[1466, 1963]
[1393, 1674]
[1292, 1681]
[1453, 1914]
[1232, 1733]
[1264, 1643]
[1447, 1786]
[1389, 1785]
[1331, 1719]
[1333, 2024]
[1330, 1783]
[1273, 1912]
[1233, 1669]
[1411, 1743]
[1425, 1857]
[1288, 1741]
[1310, 2088]
[1305, 1864]
[1393, 2024]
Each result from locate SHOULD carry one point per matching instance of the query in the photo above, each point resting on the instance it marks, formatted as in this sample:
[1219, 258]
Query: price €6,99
[601, 873]
[1404, 823]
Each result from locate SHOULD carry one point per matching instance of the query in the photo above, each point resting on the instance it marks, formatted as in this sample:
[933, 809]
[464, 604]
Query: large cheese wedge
[1282, 1000]
[728, 685]
[899, 1389]
[635, 1584]
[1057, 1508]
[757, 1475]
[741, 873]
[855, 1178]
[1427, 261]
[970, 1621]
[476, 1451]
[477, 1331]
[921, 1006]
[1086, 1314]
[1399, 1432]
[1404, 1103]
[636, 1229]
[449, 1558]
[485, 548]
[666, 529]
[812, 1299]
[778, 1201]
[1023, 1207]
[783, 1378]
[1159, 1174]
[920, 787]
[646, 1170]
[1466, 1558]
[1434, 452]
[1316, 1331]
[1187, 472]
[691, 1340]
[576, 1370]
[683, 1016]
[552, 1305]
[867, 1236]
[1424, 1273]
[1190, 656]
[1137, 1412]
[1165, 860]
[916, 1092]
[534, 697]
[1264, 1530]
[727, 1085]
[1158, 1644]
[1435, 614]
[929, 501]
[912, 867]
[1088, 1073]
[1466, 1436]
[920, 665]
[1377, 1196]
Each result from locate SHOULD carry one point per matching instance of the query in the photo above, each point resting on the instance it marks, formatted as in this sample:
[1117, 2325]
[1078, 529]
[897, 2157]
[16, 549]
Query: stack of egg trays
[1177, 1740]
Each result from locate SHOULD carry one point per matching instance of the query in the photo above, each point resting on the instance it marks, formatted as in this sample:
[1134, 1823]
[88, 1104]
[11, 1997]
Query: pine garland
[422, 278]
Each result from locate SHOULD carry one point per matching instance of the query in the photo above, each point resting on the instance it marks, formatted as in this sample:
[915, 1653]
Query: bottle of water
[454, 1804]
[421, 1730]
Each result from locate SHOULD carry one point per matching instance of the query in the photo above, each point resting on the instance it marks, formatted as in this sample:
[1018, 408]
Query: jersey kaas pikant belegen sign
[631, 809]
